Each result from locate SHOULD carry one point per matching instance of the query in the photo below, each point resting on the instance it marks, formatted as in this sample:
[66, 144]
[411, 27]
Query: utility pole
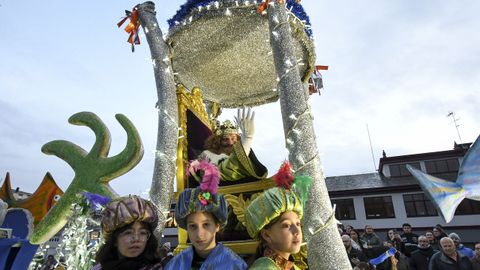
[452, 114]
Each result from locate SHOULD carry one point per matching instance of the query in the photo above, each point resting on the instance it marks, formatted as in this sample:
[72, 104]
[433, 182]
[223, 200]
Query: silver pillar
[325, 247]
[161, 191]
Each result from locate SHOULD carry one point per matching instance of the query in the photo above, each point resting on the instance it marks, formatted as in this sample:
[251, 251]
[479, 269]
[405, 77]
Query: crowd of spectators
[433, 250]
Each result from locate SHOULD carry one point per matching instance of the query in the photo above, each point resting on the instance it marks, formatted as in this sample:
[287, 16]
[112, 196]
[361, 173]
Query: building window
[418, 205]
[399, 170]
[379, 207]
[468, 207]
[344, 209]
[442, 166]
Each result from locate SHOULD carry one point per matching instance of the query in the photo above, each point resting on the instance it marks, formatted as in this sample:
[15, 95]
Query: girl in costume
[127, 225]
[274, 218]
[202, 213]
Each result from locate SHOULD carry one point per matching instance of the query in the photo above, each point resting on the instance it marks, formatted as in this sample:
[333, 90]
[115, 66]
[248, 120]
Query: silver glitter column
[325, 247]
[161, 191]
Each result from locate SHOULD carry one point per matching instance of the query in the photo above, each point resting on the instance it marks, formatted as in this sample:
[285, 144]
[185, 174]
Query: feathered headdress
[203, 198]
[300, 184]
[209, 176]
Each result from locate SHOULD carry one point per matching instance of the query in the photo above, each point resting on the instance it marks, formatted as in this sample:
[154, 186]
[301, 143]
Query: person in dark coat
[409, 239]
[476, 260]
[421, 257]
[438, 233]
[371, 243]
[449, 258]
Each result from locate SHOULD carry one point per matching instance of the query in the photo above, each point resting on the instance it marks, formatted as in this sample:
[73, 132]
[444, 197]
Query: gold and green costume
[265, 263]
[238, 166]
[271, 204]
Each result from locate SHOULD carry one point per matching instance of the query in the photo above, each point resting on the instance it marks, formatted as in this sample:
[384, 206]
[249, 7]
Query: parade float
[18, 218]
[217, 54]
[232, 54]
[54, 210]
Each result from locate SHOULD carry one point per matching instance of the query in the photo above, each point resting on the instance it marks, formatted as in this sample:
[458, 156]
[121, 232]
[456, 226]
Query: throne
[195, 126]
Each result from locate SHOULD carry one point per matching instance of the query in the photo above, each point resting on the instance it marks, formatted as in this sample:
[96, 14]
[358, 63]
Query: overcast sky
[398, 66]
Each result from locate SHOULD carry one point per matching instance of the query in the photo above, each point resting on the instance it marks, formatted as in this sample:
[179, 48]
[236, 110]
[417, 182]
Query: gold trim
[182, 241]
[193, 102]
[242, 247]
[239, 247]
[259, 186]
[243, 159]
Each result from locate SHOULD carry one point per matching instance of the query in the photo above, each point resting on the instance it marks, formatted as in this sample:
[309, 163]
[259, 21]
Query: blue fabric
[447, 195]
[466, 251]
[5, 246]
[221, 257]
[19, 221]
[387, 254]
[188, 203]
[24, 255]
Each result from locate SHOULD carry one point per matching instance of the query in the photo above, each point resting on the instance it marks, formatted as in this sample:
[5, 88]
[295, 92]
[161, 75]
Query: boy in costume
[202, 213]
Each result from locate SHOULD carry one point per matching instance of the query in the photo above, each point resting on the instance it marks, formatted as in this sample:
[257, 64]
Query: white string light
[324, 225]
[275, 35]
[300, 160]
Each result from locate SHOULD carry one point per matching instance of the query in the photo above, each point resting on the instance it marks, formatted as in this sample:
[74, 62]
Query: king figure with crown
[231, 150]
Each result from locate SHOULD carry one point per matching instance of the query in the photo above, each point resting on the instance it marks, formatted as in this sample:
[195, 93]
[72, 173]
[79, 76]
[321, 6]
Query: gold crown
[227, 127]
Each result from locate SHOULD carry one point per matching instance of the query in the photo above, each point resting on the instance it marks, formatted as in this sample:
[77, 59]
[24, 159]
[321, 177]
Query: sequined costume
[238, 166]
[265, 263]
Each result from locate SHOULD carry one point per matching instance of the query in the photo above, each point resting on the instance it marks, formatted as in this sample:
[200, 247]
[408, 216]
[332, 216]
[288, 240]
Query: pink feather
[208, 172]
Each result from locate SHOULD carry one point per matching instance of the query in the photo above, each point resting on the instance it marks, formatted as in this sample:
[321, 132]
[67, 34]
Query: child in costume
[202, 212]
[127, 225]
[274, 218]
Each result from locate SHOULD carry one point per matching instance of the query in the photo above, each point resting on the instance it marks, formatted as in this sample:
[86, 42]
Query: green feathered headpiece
[290, 194]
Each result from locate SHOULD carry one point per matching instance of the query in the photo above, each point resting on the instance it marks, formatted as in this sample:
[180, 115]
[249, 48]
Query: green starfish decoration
[93, 170]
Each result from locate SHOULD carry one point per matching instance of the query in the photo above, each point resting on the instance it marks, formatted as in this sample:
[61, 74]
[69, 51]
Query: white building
[390, 197]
